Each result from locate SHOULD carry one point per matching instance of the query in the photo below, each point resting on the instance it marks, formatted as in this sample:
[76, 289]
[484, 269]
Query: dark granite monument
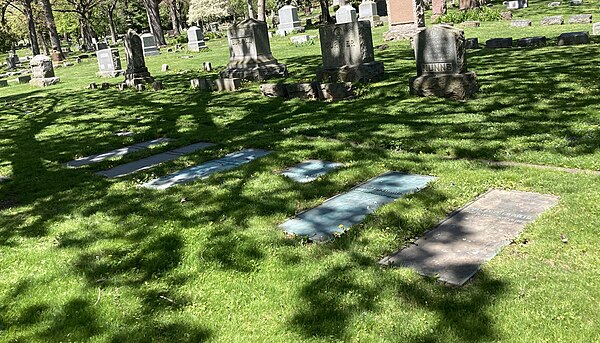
[347, 53]
[149, 45]
[136, 72]
[442, 64]
[250, 53]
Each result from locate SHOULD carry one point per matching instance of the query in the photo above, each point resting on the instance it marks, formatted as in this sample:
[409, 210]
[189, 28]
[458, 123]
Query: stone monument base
[285, 29]
[44, 82]
[255, 72]
[366, 72]
[132, 80]
[400, 32]
[113, 73]
[374, 20]
[197, 46]
[453, 86]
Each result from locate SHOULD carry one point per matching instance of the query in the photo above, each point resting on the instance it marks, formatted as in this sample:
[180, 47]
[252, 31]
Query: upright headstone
[405, 17]
[347, 52]
[438, 8]
[12, 60]
[345, 14]
[101, 46]
[109, 63]
[596, 29]
[250, 53]
[136, 72]
[289, 21]
[195, 39]
[442, 64]
[42, 71]
[516, 4]
[368, 11]
[149, 45]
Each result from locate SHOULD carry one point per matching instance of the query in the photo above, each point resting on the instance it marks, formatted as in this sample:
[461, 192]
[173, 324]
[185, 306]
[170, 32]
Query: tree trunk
[325, 16]
[174, 18]
[261, 10]
[54, 38]
[250, 11]
[86, 32]
[35, 48]
[42, 43]
[111, 22]
[154, 21]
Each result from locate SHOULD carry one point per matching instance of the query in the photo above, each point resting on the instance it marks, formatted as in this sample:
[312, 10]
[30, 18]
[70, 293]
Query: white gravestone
[195, 39]
[289, 21]
[149, 45]
[109, 63]
[368, 11]
[345, 14]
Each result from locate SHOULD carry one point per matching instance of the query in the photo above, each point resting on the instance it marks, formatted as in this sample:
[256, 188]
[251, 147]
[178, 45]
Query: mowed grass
[83, 258]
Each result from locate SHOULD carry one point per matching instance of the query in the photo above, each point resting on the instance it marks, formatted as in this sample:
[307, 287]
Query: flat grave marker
[204, 170]
[152, 161]
[114, 153]
[310, 170]
[456, 248]
[324, 221]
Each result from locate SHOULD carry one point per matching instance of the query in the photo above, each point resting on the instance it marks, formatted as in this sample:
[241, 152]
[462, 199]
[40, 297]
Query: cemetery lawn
[84, 258]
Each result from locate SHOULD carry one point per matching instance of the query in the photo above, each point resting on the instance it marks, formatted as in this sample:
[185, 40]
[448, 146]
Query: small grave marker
[520, 23]
[115, 153]
[531, 41]
[496, 43]
[342, 211]
[455, 249]
[206, 169]
[552, 20]
[580, 19]
[596, 29]
[573, 38]
[152, 161]
[310, 170]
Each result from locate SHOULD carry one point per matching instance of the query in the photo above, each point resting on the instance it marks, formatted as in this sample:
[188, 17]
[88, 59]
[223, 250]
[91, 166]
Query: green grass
[84, 258]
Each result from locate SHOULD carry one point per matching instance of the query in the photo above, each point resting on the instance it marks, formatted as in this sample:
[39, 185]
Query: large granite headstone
[405, 17]
[42, 71]
[136, 72]
[149, 45]
[195, 39]
[109, 63]
[456, 248]
[442, 64]
[345, 14]
[347, 53]
[367, 10]
[250, 53]
[288, 21]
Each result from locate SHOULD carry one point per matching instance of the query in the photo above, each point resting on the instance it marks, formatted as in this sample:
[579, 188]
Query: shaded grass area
[84, 258]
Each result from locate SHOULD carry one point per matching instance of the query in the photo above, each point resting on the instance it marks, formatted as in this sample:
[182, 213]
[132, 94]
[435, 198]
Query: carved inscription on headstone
[440, 50]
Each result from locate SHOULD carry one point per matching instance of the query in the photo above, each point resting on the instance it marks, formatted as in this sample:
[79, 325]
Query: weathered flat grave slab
[151, 161]
[455, 249]
[204, 170]
[345, 210]
[310, 170]
[115, 153]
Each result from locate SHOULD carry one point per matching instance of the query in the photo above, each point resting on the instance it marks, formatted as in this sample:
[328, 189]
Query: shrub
[479, 14]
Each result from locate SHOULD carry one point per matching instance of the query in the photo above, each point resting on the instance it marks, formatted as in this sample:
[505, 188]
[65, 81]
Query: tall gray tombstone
[109, 63]
[347, 53]
[136, 72]
[149, 45]
[250, 53]
[367, 10]
[42, 71]
[195, 39]
[345, 14]
[442, 64]
[288, 21]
